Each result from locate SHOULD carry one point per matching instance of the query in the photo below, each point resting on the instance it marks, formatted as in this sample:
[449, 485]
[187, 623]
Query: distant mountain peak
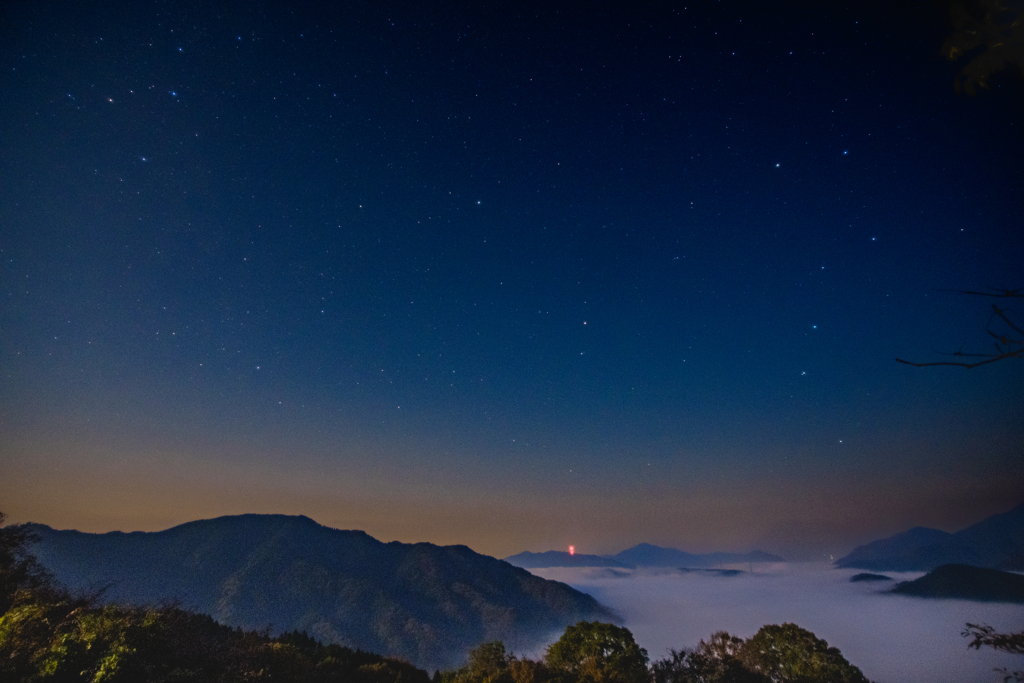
[996, 542]
[924, 531]
[640, 555]
[560, 558]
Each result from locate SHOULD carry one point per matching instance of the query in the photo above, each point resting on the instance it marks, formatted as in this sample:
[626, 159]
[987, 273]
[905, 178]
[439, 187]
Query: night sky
[512, 275]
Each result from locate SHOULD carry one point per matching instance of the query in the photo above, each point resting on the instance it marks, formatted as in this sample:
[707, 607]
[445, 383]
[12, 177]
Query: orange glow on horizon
[572, 550]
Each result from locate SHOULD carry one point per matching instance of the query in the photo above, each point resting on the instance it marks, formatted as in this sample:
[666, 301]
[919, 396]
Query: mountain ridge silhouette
[425, 603]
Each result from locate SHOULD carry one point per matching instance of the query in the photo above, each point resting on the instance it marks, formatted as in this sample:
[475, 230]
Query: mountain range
[642, 555]
[424, 603]
[995, 543]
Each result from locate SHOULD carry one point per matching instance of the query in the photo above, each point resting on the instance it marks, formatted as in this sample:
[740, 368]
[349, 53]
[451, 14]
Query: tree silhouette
[596, 652]
[20, 572]
[789, 654]
[1008, 336]
[1006, 642]
[991, 31]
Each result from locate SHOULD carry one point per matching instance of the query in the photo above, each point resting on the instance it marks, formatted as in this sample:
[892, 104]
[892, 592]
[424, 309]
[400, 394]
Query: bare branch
[993, 359]
[1002, 314]
[1005, 346]
[996, 293]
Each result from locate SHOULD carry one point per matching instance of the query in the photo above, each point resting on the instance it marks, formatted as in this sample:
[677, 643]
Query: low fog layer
[893, 639]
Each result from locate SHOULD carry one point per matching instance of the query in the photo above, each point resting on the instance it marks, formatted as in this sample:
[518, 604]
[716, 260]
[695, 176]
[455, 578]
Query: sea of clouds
[892, 638]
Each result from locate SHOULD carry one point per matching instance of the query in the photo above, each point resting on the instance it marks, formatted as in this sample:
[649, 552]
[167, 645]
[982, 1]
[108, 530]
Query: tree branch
[1006, 347]
[983, 634]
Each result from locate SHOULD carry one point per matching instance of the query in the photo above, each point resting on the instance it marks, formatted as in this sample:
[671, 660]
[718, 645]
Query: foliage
[489, 660]
[63, 641]
[488, 663]
[589, 652]
[713, 661]
[593, 651]
[46, 634]
[528, 671]
[775, 654]
[596, 652]
[790, 654]
[992, 32]
[986, 635]
[19, 570]
[983, 634]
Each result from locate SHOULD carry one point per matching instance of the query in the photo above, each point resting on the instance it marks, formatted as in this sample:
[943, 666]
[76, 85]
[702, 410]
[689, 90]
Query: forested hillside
[421, 602]
[49, 633]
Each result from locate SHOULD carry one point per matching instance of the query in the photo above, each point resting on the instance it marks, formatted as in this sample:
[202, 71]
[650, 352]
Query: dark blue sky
[515, 276]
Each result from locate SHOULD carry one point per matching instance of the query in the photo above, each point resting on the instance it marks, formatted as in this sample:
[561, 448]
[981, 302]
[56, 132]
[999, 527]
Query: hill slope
[996, 542]
[425, 603]
[961, 581]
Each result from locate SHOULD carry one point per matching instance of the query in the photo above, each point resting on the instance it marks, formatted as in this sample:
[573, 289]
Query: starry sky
[511, 275]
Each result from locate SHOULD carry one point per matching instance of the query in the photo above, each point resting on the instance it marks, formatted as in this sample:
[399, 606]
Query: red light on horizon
[572, 550]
